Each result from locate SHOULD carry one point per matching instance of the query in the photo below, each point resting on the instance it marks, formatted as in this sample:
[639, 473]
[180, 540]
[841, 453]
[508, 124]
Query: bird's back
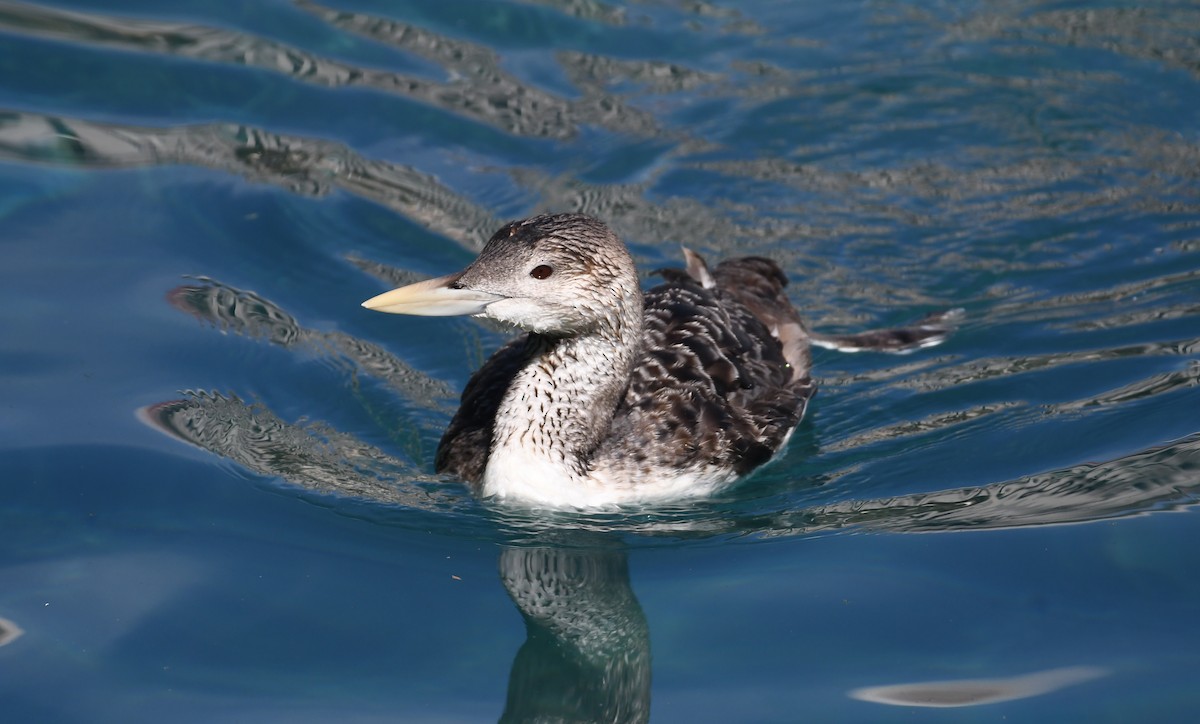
[724, 376]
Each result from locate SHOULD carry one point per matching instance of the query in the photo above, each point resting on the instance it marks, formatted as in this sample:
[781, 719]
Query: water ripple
[996, 166]
[323, 461]
[477, 87]
[307, 166]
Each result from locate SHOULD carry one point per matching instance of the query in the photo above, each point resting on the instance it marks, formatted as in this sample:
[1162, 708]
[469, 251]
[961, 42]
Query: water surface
[217, 490]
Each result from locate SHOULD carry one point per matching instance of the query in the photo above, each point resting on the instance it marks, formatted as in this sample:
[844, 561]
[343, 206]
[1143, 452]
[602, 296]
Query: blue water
[216, 489]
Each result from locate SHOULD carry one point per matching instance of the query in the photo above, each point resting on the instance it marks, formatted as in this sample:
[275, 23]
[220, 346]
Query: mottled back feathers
[714, 387]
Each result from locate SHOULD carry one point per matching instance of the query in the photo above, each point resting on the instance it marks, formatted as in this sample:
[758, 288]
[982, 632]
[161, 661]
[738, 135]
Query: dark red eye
[541, 271]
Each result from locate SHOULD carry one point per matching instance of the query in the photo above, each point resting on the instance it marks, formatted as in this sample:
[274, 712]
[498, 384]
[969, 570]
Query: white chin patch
[526, 314]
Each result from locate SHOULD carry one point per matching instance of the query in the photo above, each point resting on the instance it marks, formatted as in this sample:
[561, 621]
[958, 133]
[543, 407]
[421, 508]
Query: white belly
[526, 478]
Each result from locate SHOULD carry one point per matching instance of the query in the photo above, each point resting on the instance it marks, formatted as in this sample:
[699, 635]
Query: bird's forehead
[577, 242]
[516, 242]
[528, 234]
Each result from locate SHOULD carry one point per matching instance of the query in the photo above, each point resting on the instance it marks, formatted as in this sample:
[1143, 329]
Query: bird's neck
[557, 410]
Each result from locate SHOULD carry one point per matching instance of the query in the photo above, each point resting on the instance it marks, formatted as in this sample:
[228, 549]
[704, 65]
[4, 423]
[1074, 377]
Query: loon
[616, 397]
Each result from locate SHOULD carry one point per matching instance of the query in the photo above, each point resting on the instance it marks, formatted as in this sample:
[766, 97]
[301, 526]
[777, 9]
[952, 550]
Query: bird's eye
[541, 271]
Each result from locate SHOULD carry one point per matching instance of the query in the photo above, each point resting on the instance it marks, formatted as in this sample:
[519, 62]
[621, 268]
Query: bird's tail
[926, 332]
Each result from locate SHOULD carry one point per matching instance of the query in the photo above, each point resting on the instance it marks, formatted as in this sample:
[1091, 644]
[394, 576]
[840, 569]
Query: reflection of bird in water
[613, 396]
[586, 656]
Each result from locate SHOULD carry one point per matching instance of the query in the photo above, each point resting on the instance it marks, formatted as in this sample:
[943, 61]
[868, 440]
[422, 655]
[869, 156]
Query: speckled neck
[560, 406]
